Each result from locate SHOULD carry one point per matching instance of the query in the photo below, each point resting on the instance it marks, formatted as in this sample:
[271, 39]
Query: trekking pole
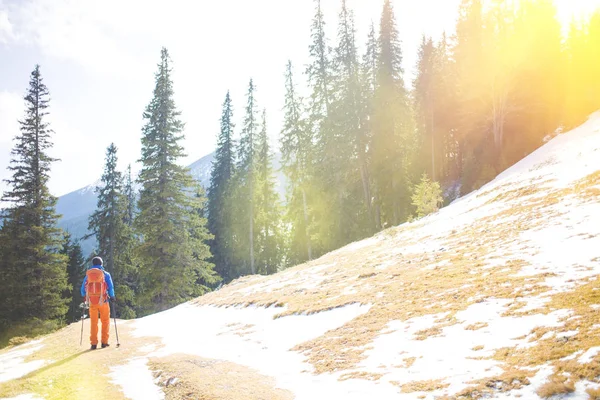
[115, 318]
[82, 305]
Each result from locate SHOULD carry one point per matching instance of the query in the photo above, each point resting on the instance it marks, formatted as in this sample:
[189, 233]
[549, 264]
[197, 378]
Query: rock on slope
[495, 296]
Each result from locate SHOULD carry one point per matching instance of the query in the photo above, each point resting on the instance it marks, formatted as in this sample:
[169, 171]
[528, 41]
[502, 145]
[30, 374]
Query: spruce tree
[245, 182]
[130, 195]
[173, 253]
[34, 271]
[220, 207]
[75, 272]
[393, 139]
[109, 224]
[269, 243]
[297, 161]
[369, 64]
[368, 77]
[349, 138]
[423, 96]
[319, 76]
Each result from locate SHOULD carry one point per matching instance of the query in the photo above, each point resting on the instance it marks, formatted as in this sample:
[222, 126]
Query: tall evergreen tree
[297, 161]
[350, 135]
[269, 243]
[369, 64]
[368, 85]
[220, 206]
[75, 272]
[424, 97]
[34, 271]
[245, 182]
[393, 128]
[129, 193]
[468, 54]
[319, 76]
[173, 253]
[109, 224]
[318, 71]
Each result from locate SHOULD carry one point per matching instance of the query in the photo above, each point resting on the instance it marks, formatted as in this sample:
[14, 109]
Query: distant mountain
[77, 206]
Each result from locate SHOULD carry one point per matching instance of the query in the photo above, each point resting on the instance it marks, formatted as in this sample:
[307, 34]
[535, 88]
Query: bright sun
[569, 9]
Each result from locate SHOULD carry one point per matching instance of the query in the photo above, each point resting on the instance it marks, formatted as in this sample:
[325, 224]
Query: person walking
[98, 290]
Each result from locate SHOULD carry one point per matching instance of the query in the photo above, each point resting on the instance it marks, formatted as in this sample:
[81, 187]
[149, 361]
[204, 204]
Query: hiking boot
[93, 347]
[105, 345]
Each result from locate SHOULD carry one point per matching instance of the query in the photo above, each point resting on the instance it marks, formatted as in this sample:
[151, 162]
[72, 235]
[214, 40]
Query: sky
[98, 60]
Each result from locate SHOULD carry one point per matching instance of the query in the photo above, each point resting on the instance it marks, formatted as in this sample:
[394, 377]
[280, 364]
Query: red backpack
[95, 287]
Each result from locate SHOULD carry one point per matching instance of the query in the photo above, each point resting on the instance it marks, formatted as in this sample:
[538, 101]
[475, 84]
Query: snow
[589, 355]
[450, 356]
[12, 365]
[266, 347]
[23, 397]
[136, 380]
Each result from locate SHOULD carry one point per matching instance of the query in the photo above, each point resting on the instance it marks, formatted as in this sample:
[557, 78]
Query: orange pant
[104, 310]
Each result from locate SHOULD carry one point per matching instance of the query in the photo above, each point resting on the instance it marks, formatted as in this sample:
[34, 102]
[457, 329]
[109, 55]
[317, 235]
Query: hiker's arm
[83, 287]
[109, 284]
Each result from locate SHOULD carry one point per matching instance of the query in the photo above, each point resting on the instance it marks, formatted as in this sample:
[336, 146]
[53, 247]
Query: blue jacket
[107, 279]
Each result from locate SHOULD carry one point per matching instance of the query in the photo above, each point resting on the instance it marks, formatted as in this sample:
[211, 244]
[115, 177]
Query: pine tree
[393, 139]
[368, 78]
[350, 136]
[297, 162]
[108, 221]
[109, 224]
[245, 183]
[34, 271]
[468, 54]
[75, 273]
[369, 64]
[425, 98]
[319, 76]
[318, 71]
[173, 252]
[445, 146]
[130, 197]
[220, 207]
[269, 243]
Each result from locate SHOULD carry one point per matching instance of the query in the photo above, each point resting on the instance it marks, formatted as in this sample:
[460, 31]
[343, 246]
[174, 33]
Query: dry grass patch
[183, 376]
[594, 394]
[422, 386]
[477, 326]
[556, 386]
[477, 348]
[510, 379]
[369, 376]
[428, 333]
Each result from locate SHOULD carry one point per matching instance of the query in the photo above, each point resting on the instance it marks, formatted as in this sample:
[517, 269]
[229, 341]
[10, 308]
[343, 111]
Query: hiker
[97, 288]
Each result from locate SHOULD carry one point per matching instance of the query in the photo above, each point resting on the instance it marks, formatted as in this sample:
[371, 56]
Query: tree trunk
[307, 229]
[252, 237]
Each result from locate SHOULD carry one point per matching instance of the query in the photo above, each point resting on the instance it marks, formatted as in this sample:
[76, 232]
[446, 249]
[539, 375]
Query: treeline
[488, 96]
[154, 243]
[366, 143]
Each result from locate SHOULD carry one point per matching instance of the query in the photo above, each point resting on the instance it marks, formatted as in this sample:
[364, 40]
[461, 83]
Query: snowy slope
[495, 296]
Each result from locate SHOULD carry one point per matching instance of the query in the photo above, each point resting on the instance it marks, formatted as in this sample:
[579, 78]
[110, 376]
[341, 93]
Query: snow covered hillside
[495, 296]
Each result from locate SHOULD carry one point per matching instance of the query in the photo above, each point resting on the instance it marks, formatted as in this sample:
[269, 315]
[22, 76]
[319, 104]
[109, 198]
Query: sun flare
[576, 9]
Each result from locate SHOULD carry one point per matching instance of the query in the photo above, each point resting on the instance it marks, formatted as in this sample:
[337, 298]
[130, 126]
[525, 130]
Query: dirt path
[75, 372]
